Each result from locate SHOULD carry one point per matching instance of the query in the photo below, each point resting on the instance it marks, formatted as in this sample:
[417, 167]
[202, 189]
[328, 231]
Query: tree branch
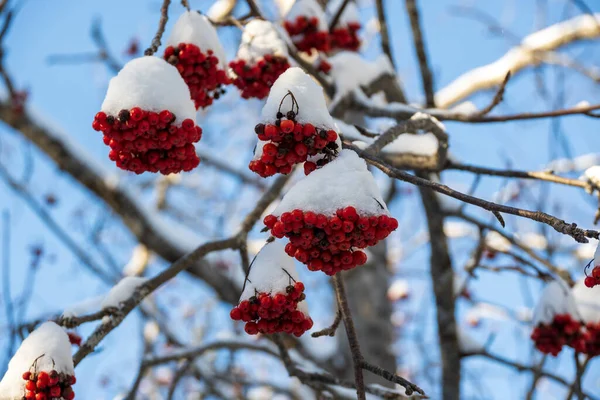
[420, 49]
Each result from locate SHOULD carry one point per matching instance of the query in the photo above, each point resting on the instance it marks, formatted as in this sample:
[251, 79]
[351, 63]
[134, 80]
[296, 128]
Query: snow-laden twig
[517, 58]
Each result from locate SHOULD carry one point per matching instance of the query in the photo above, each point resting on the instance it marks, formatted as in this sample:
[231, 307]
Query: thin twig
[329, 331]
[420, 48]
[164, 17]
[338, 15]
[497, 97]
[357, 358]
[385, 36]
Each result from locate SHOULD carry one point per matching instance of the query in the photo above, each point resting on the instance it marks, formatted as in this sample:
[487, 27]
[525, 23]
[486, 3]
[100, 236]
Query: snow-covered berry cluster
[255, 80]
[48, 385]
[289, 142]
[194, 49]
[148, 119]
[346, 37]
[143, 141]
[307, 35]
[274, 312]
[330, 243]
[564, 330]
[200, 71]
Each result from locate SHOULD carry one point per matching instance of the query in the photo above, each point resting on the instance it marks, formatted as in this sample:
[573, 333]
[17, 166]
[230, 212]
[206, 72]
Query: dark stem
[330, 331]
[357, 358]
[164, 17]
[338, 15]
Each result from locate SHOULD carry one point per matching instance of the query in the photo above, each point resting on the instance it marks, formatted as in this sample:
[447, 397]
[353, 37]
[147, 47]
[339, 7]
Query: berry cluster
[306, 35]
[328, 243]
[594, 278]
[200, 72]
[256, 80]
[289, 143]
[346, 38]
[147, 141]
[564, 330]
[592, 344]
[48, 385]
[272, 313]
[324, 66]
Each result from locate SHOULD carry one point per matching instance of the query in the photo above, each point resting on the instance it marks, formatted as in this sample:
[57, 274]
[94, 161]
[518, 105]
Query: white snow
[343, 182]
[588, 301]
[586, 251]
[220, 9]
[308, 8]
[458, 229]
[260, 38]
[284, 6]
[268, 271]
[152, 84]
[533, 240]
[122, 291]
[151, 332]
[351, 71]
[349, 131]
[398, 290]
[497, 242]
[490, 75]
[425, 144]
[194, 28]
[556, 298]
[592, 175]
[308, 94]
[138, 261]
[87, 306]
[597, 255]
[486, 311]
[49, 340]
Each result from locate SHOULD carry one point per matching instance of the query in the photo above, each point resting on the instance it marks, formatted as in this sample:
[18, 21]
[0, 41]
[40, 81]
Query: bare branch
[426, 75]
[164, 17]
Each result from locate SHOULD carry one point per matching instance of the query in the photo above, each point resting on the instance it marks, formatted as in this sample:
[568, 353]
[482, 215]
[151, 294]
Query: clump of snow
[343, 182]
[309, 9]
[151, 331]
[138, 261]
[122, 291]
[587, 301]
[425, 144]
[351, 71]
[582, 104]
[534, 241]
[398, 290]
[592, 175]
[261, 38]
[194, 28]
[556, 299]
[152, 84]
[496, 241]
[587, 251]
[269, 271]
[486, 311]
[597, 255]
[466, 107]
[348, 131]
[49, 341]
[220, 9]
[457, 229]
[307, 93]
[87, 306]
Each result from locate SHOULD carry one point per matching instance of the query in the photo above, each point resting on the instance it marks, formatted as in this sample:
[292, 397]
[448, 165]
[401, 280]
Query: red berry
[26, 375]
[590, 281]
[235, 314]
[287, 126]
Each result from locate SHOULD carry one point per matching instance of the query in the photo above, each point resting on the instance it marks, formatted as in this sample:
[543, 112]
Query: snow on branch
[487, 76]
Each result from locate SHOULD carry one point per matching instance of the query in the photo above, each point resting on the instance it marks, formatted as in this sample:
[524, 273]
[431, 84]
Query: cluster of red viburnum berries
[329, 244]
[592, 347]
[272, 313]
[594, 278]
[565, 330]
[346, 38]
[48, 385]
[289, 143]
[255, 80]
[148, 141]
[200, 71]
[306, 35]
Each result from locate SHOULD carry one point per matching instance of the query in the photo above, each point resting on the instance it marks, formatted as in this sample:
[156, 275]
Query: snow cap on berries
[310, 104]
[587, 301]
[261, 38]
[597, 256]
[270, 271]
[308, 9]
[49, 340]
[194, 28]
[556, 299]
[151, 84]
[343, 182]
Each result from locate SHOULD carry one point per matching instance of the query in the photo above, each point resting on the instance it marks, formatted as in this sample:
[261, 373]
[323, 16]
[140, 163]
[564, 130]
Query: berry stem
[164, 17]
[288, 274]
[357, 358]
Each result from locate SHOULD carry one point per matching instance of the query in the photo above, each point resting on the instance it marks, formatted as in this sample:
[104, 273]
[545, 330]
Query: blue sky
[71, 94]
